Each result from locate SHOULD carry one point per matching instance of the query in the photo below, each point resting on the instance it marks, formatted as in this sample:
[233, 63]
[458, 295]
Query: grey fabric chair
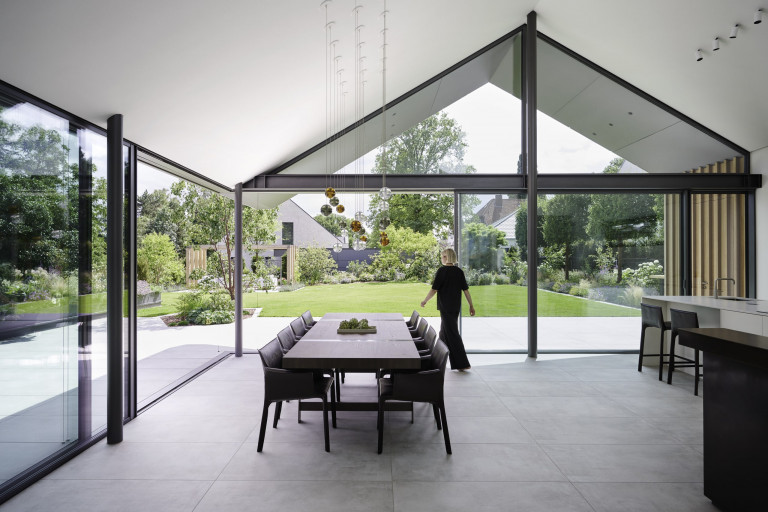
[281, 385]
[652, 316]
[423, 386]
[680, 319]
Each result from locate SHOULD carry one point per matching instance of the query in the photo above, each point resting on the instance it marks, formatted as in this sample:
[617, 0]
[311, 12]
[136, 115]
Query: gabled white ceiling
[233, 89]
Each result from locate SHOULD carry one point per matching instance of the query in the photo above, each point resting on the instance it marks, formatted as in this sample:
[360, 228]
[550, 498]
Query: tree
[331, 222]
[614, 166]
[480, 243]
[207, 218]
[157, 260]
[620, 219]
[313, 264]
[434, 146]
[38, 199]
[521, 227]
[155, 212]
[415, 255]
[565, 223]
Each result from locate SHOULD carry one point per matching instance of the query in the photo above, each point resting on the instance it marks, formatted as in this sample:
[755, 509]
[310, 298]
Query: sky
[490, 119]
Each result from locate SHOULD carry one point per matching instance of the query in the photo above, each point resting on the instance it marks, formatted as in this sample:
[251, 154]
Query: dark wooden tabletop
[370, 316]
[325, 330]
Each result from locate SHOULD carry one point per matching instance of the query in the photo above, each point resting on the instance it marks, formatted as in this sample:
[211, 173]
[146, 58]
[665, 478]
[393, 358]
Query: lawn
[403, 298]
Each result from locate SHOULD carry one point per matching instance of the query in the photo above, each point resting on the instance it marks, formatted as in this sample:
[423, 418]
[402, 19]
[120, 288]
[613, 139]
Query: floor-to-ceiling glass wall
[602, 248]
[492, 253]
[52, 285]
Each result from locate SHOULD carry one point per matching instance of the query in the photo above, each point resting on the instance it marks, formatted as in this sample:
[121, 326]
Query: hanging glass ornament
[362, 230]
[357, 244]
[355, 225]
[384, 206]
[343, 223]
[385, 193]
[363, 238]
[344, 232]
[340, 208]
[385, 241]
[326, 209]
[334, 201]
[360, 216]
[337, 247]
[330, 192]
[384, 222]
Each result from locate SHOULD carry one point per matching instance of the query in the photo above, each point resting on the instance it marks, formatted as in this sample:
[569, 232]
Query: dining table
[391, 347]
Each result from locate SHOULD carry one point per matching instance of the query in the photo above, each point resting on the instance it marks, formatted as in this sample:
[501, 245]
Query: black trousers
[449, 333]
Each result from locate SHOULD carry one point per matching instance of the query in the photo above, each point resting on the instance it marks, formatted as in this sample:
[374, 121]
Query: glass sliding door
[52, 386]
[599, 255]
[492, 253]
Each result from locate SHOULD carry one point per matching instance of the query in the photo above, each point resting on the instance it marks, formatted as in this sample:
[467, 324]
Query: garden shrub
[314, 265]
[500, 279]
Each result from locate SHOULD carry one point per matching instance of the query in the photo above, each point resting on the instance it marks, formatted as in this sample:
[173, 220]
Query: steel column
[239, 270]
[115, 279]
[529, 163]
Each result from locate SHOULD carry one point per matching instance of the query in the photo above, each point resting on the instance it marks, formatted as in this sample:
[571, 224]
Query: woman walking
[448, 284]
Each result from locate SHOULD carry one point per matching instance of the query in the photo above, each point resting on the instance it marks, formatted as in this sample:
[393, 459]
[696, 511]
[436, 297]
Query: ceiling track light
[715, 44]
[734, 31]
[758, 18]
[698, 55]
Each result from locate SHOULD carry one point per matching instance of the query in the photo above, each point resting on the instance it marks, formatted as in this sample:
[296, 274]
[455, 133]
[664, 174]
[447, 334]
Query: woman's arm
[429, 296]
[469, 299]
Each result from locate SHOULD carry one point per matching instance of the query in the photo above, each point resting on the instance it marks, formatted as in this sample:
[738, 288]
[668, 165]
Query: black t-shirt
[449, 282]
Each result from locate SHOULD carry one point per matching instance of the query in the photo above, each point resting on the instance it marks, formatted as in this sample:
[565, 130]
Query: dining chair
[680, 319]
[424, 386]
[430, 339]
[309, 322]
[421, 330]
[412, 322]
[298, 328]
[652, 316]
[282, 385]
[286, 339]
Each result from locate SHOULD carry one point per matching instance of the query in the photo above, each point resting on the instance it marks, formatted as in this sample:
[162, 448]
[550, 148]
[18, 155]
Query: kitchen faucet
[717, 289]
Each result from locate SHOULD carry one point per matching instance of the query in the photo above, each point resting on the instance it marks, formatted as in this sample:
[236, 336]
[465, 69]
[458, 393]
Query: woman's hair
[450, 255]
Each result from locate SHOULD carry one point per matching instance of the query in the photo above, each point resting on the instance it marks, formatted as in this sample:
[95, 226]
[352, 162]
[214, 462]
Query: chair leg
[661, 355]
[380, 424]
[445, 429]
[325, 424]
[697, 373]
[337, 385]
[642, 346]
[262, 431]
[278, 410]
[411, 413]
[333, 407]
[299, 412]
[671, 359]
[437, 417]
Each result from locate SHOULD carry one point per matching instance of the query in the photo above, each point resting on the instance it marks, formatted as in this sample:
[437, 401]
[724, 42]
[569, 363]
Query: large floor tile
[559, 407]
[644, 497]
[600, 431]
[309, 461]
[472, 463]
[164, 428]
[337, 496]
[628, 463]
[156, 461]
[110, 495]
[488, 497]
[543, 388]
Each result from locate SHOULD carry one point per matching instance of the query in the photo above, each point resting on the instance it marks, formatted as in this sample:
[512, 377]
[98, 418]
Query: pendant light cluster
[335, 96]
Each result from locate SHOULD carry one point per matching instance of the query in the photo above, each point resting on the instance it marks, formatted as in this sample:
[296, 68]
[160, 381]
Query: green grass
[405, 297]
[494, 301]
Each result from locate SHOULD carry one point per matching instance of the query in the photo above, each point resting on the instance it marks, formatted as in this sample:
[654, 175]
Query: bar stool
[653, 317]
[683, 320]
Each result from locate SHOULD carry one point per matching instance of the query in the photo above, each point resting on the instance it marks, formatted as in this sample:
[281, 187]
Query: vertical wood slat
[672, 247]
[718, 235]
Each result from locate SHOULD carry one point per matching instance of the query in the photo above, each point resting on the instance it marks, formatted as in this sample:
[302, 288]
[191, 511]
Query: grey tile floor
[555, 434]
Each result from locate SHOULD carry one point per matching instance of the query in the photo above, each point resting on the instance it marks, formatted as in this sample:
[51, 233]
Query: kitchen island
[735, 416]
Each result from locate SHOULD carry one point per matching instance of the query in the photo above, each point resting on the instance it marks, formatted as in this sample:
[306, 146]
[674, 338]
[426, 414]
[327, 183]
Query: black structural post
[686, 275]
[115, 279]
[238, 270]
[529, 157]
[130, 273]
